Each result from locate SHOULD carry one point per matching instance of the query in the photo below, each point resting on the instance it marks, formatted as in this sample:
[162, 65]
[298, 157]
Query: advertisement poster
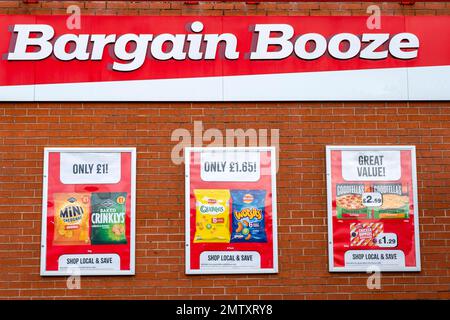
[88, 211]
[231, 212]
[372, 208]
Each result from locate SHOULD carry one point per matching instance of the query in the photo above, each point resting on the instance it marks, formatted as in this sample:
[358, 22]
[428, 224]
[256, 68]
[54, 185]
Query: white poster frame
[87, 272]
[385, 268]
[273, 169]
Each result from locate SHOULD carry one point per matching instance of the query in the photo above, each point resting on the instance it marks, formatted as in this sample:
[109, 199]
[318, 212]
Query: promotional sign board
[231, 58]
[231, 212]
[88, 211]
[373, 219]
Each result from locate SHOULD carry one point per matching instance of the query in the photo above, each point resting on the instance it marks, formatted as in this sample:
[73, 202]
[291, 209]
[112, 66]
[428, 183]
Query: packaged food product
[71, 218]
[248, 214]
[349, 203]
[212, 217]
[108, 218]
[365, 234]
[394, 207]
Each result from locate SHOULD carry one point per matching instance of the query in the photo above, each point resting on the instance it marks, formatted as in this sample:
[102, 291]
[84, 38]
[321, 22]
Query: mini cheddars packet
[71, 217]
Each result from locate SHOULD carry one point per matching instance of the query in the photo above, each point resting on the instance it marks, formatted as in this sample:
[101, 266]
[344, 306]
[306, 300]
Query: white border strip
[383, 84]
[43, 271]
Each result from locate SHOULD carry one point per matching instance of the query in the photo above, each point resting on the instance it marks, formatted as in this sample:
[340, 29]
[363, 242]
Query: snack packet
[108, 218]
[212, 217]
[365, 234]
[71, 219]
[248, 216]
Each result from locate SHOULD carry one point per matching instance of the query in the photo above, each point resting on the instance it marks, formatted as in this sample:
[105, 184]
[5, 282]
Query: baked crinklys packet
[248, 214]
[71, 219]
[212, 216]
[108, 218]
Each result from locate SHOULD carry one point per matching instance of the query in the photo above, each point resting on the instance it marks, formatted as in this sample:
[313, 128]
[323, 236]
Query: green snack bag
[108, 218]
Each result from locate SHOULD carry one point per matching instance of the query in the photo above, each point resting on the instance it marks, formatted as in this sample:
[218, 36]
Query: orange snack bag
[72, 211]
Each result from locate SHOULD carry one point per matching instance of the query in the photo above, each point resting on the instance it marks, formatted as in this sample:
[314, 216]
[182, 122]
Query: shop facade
[200, 112]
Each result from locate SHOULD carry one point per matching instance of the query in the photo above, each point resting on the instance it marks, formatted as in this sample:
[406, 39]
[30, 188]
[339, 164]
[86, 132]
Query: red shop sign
[182, 58]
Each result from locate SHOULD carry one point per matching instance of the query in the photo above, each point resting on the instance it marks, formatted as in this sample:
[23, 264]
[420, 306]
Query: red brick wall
[305, 128]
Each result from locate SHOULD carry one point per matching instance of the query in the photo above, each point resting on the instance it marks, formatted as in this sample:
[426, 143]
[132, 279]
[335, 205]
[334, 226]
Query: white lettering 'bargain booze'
[132, 49]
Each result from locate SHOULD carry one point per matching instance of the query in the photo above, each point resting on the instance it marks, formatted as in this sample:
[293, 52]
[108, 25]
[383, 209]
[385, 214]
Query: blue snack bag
[248, 214]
